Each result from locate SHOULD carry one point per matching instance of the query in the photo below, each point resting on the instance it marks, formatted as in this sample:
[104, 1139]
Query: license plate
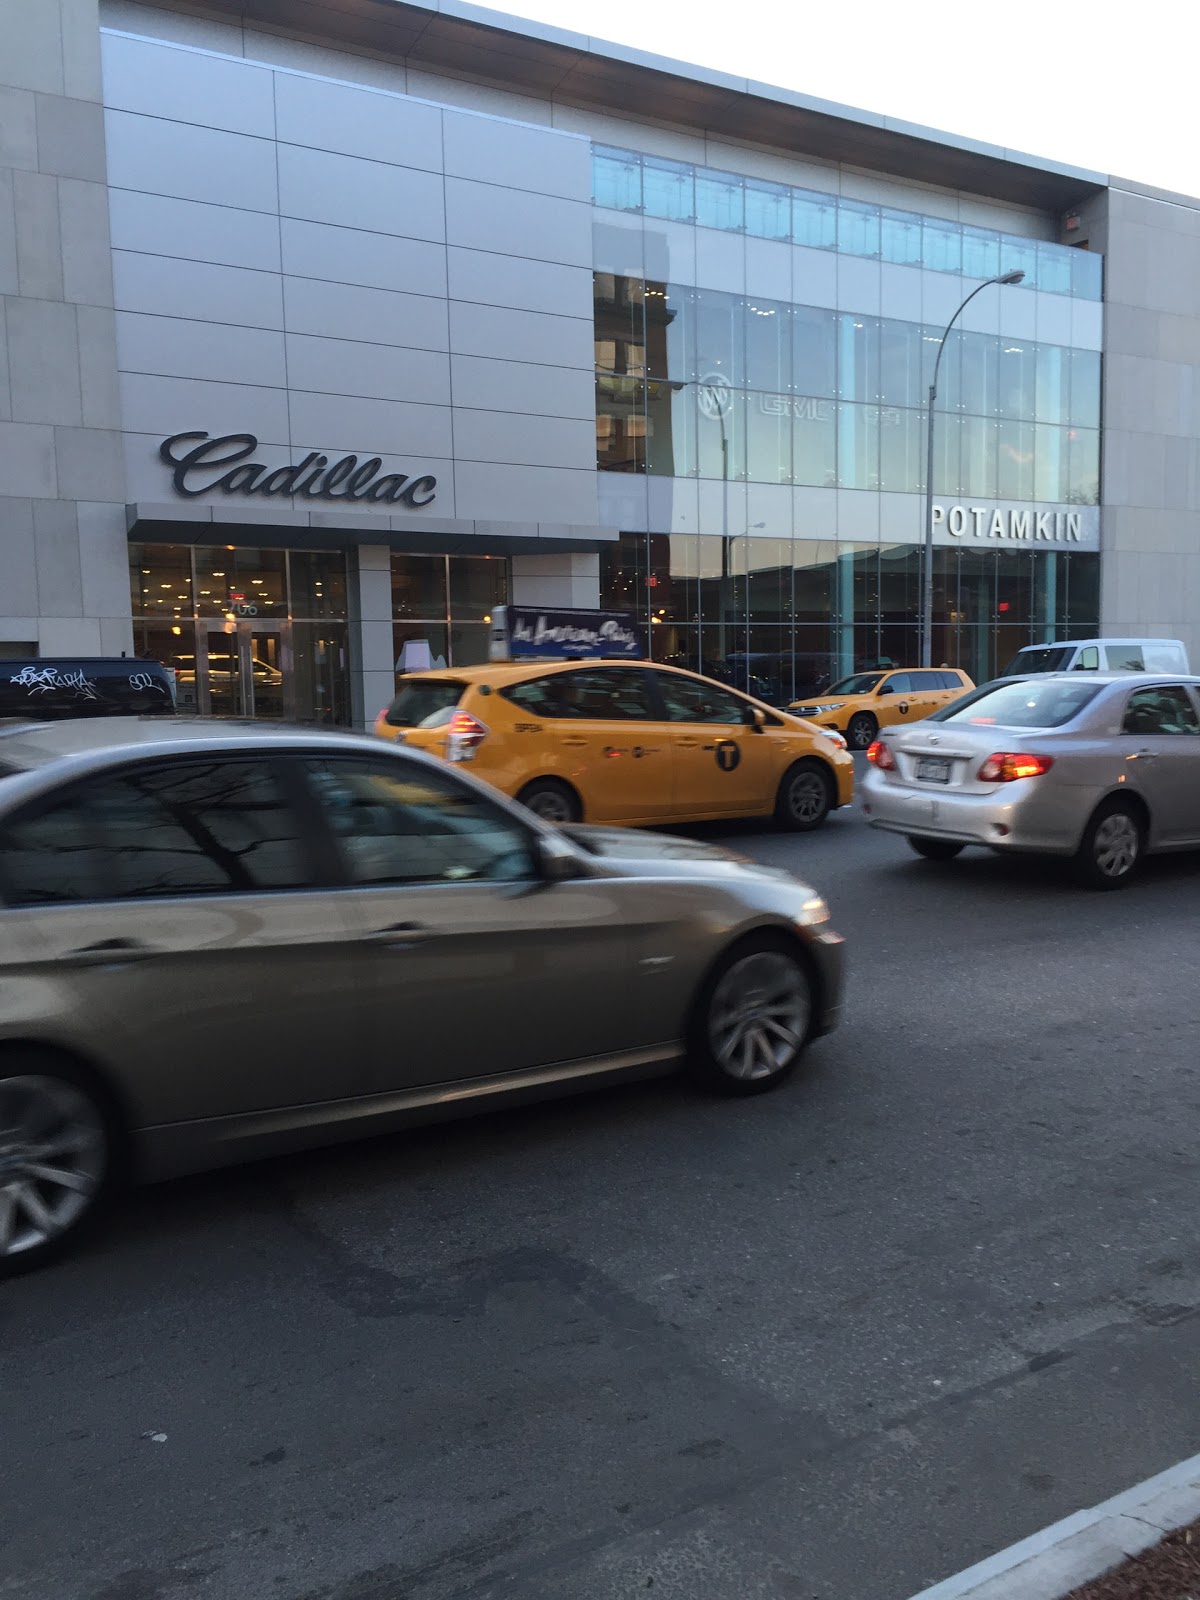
[932, 769]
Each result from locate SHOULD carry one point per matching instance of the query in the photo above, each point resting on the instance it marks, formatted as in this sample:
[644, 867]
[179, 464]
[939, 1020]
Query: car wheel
[753, 1018]
[551, 800]
[861, 730]
[934, 849]
[805, 797]
[1112, 847]
[56, 1156]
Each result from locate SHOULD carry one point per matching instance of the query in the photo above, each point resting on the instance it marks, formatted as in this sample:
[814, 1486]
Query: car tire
[551, 800]
[861, 730]
[753, 1018]
[1112, 847]
[57, 1158]
[934, 849]
[806, 797]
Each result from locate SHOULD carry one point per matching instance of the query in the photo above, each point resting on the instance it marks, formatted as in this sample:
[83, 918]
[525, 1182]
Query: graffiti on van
[47, 680]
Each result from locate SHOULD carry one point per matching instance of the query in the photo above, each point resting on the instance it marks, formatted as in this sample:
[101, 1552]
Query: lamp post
[927, 576]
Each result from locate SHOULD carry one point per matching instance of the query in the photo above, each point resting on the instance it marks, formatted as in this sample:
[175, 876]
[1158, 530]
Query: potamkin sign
[1025, 524]
[196, 457]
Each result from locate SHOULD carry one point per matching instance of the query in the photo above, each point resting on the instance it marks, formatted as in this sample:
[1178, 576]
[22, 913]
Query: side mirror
[557, 860]
[885, 688]
[754, 718]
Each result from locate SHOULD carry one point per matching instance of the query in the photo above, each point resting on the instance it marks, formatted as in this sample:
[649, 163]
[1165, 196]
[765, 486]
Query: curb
[1081, 1547]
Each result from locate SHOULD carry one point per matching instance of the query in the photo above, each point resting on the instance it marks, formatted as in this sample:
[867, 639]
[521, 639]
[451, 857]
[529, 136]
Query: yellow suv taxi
[861, 704]
[628, 742]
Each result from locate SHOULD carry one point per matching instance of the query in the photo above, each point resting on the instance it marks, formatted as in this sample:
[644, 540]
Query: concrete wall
[64, 583]
[1150, 582]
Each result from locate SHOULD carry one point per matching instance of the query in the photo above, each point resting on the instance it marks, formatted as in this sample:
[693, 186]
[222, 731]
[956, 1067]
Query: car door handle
[398, 934]
[575, 741]
[106, 952]
[1145, 755]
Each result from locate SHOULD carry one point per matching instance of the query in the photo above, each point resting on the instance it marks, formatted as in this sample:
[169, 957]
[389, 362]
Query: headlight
[813, 911]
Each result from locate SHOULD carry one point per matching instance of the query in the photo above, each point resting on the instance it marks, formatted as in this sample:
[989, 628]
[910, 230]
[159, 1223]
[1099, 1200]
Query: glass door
[242, 669]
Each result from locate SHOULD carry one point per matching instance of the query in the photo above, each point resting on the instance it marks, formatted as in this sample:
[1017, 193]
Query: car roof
[41, 744]
[1145, 678]
[510, 671]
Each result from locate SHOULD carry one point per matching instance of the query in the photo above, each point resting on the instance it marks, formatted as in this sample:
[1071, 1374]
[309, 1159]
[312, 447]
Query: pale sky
[1096, 84]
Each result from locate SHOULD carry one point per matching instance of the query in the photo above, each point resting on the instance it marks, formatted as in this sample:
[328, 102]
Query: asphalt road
[835, 1342]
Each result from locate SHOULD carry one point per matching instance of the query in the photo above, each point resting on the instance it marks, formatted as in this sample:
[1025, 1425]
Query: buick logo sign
[714, 395]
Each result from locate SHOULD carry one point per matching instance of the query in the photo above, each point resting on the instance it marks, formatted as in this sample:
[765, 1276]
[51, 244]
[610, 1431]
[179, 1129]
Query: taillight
[466, 734]
[1005, 766]
[881, 756]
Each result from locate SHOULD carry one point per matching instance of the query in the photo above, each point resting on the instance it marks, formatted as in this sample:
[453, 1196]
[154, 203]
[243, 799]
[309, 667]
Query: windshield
[1038, 658]
[424, 702]
[856, 683]
[1034, 704]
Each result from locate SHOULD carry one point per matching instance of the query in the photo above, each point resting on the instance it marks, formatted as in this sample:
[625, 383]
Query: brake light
[466, 734]
[881, 756]
[1005, 766]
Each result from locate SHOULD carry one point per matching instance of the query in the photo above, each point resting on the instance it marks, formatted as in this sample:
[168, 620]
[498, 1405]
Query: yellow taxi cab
[623, 742]
[861, 704]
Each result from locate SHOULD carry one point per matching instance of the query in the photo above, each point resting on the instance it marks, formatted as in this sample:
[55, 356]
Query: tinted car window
[1163, 710]
[1037, 658]
[397, 822]
[424, 703]
[898, 683]
[53, 690]
[1088, 661]
[1032, 704]
[928, 680]
[695, 700]
[598, 694]
[1125, 658]
[50, 854]
[856, 683]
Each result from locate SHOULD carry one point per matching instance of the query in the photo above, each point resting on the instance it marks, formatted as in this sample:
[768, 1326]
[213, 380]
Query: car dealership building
[331, 325]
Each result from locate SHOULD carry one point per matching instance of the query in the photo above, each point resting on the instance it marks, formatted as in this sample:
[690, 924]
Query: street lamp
[1017, 276]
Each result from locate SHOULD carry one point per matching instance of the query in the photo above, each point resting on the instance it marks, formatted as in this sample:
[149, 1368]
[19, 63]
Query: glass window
[769, 438]
[668, 190]
[1017, 379]
[420, 646]
[695, 700]
[1014, 477]
[814, 351]
[669, 331]
[900, 238]
[623, 573]
[478, 584]
[396, 822]
[768, 345]
[1052, 383]
[942, 247]
[858, 228]
[979, 437]
[600, 694]
[1054, 268]
[858, 357]
[216, 826]
[768, 210]
[318, 583]
[621, 426]
[671, 429]
[1085, 388]
[1019, 255]
[1050, 463]
[418, 586]
[246, 583]
[814, 442]
[1083, 466]
[1167, 709]
[617, 179]
[814, 220]
[813, 567]
[320, 674]
[857, 683]
[979, 375]
[160, 581]
[424, 702]
[720, 336]
[720, 201]
[901, 450]
[721, 432]
[1037, 704]
[901, 358]
[897, 683]
[858, 447]
[1087, 273]
[947, 455]
[618, 314]
[980, 253]
[50, 853]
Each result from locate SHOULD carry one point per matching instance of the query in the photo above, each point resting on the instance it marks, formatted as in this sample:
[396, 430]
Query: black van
[55, 687]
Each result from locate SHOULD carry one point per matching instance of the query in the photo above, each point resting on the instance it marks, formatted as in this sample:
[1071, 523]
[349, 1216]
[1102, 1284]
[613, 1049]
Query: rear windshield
[424, 702]
[1034, 704]
[1040, 658]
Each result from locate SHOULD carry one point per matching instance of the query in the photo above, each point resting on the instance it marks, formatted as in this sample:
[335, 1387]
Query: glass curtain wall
[701, 383]
[442, 607]
[786, 617]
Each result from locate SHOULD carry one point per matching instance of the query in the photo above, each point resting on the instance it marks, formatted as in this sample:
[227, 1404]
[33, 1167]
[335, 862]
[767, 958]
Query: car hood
[638, 850]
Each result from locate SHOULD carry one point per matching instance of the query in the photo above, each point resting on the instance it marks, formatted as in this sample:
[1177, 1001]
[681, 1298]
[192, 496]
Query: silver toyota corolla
[1101, 767]
[221, 942]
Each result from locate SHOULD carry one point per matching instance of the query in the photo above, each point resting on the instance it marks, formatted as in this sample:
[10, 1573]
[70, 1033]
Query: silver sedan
[1103, 768]
[218, 943]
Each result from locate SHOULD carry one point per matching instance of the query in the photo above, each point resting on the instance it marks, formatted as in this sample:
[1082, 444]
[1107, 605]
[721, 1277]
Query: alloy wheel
[807, 799]
[53, 1149]
[759, 1015]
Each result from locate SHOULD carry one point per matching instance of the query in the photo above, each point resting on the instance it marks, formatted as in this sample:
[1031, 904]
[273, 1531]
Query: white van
[1100, 655]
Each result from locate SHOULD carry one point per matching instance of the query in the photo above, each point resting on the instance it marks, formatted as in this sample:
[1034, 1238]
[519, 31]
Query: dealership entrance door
[240, 668]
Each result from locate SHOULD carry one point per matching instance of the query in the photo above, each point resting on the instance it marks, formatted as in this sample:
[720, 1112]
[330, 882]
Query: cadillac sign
[203, 465]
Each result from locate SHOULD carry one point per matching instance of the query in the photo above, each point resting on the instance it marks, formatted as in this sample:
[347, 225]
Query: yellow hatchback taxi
[858, 706]
[622, 742]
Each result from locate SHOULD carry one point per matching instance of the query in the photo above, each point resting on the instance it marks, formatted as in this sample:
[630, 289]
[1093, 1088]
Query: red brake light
[882, 757]
[1006, 767]
[466, 733]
